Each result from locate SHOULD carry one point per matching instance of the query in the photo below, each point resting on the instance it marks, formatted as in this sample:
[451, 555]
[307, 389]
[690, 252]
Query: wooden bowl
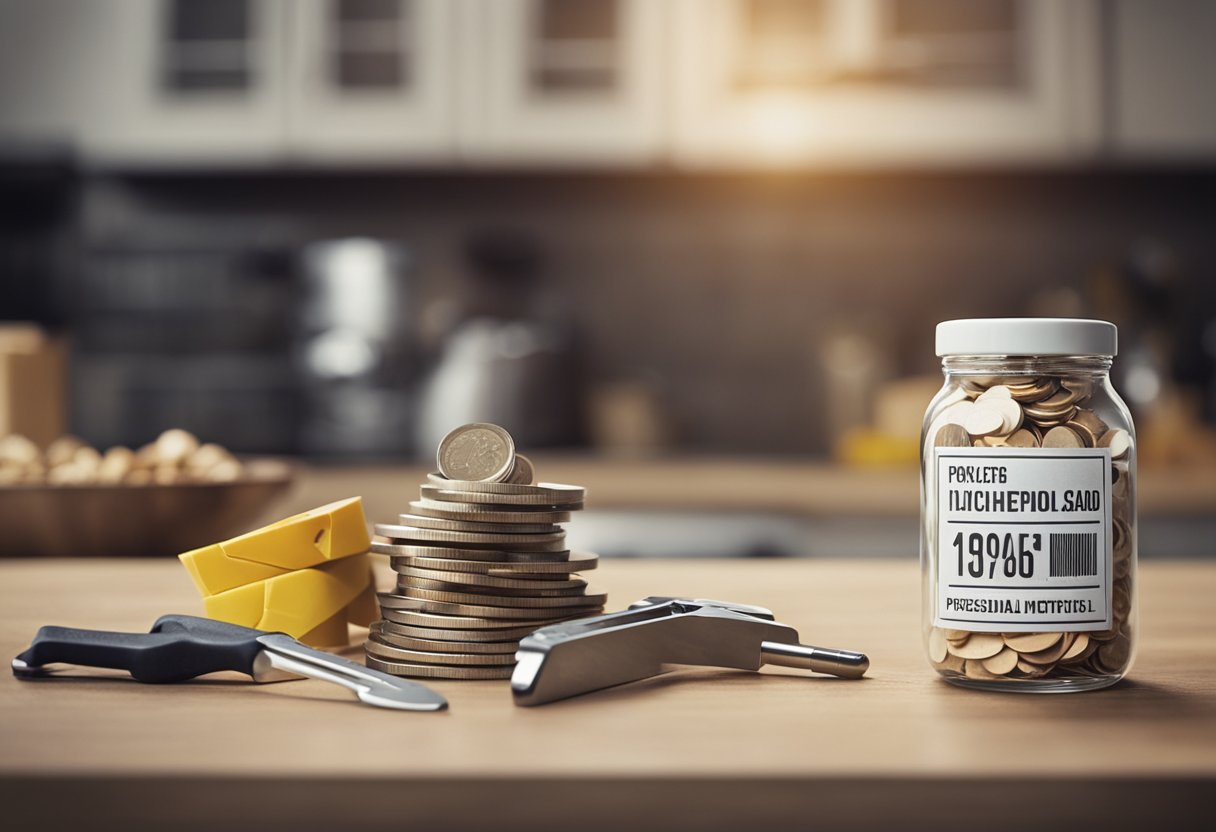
[136, 520]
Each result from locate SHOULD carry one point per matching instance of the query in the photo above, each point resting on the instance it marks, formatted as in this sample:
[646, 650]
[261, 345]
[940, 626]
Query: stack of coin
[1032, 412]
[481, 561]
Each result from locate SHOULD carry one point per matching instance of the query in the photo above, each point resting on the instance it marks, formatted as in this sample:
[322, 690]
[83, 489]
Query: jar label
[1023, 539]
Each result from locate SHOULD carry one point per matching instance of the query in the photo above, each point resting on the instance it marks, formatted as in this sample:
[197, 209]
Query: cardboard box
[33, 383]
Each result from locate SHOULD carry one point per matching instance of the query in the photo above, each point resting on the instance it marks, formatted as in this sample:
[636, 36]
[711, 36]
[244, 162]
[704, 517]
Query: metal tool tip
[411, 702]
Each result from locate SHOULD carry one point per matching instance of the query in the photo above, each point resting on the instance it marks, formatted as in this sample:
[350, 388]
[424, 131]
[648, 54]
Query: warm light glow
[778, 126]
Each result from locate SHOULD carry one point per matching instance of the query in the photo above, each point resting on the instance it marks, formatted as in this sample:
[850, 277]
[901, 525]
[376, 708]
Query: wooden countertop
[724, 484]
[700, 749]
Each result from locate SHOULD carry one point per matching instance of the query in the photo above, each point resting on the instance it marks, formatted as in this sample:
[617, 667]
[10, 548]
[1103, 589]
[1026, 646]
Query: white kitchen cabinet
[564, 81]
[1162, 101]
[46, 50]
[385, 81]
[190, 82]
[144, 82]
[822, 82]
[488, 81]
[372, 81]
[162, 83]
[706, 84]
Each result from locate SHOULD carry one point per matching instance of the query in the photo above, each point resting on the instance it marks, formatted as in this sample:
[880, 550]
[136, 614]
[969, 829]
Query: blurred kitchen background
[690, 252]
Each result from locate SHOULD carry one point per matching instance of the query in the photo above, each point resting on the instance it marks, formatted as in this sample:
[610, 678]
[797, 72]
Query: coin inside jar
[1062, 437]
[952, 436]
[1022, 439]
[1118, 440]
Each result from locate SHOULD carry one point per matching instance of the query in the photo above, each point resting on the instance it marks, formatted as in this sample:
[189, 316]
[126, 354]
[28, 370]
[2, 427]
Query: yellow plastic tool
[365, 608]
[312, 604]
[329, 633]
[325, 534]
[307, 576]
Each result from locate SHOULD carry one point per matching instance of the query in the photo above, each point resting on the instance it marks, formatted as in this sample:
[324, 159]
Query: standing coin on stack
[523, 472]
[477, 452]
[481, 561]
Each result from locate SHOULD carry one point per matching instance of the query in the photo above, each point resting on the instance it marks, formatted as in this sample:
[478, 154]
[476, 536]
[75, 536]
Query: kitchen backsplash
[722, 296]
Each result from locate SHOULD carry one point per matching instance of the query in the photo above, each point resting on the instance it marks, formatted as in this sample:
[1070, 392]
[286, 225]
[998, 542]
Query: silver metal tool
[284, 656]
[181, 647]
[576, 657]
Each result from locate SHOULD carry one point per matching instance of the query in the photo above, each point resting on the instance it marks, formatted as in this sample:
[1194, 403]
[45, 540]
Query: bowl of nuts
[170, 496]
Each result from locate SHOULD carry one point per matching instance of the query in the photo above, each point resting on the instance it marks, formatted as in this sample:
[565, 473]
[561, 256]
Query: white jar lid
[1027, 336]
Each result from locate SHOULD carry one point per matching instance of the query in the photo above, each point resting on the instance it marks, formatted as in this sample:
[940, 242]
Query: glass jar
[1028, 508]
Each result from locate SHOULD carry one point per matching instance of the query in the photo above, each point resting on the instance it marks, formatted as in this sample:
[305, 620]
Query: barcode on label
[1074, 555]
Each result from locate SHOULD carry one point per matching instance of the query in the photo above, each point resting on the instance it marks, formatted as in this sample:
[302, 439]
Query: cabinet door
[816, 82]
[564, 81]
[372, 79]
[1162, 99]
[192, 81]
